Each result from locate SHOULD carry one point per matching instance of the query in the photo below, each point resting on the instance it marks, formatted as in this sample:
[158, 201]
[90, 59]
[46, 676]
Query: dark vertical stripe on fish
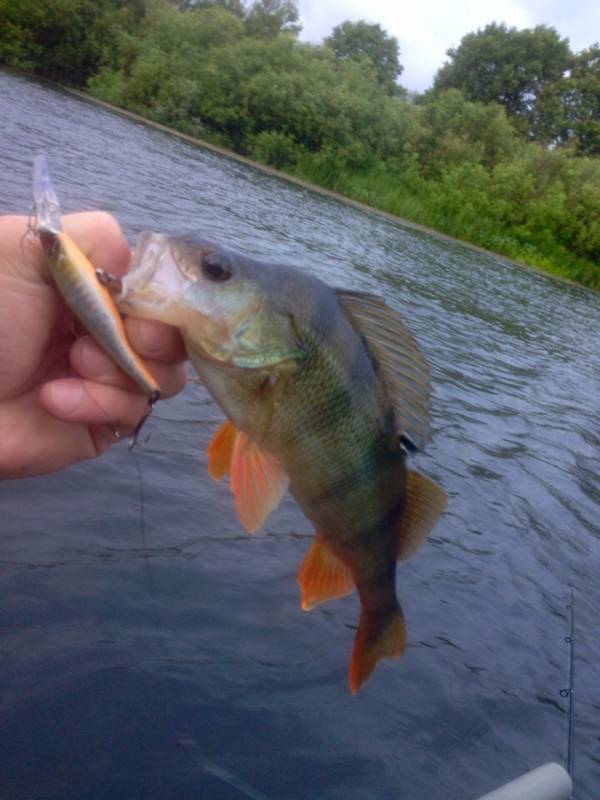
[345, 482]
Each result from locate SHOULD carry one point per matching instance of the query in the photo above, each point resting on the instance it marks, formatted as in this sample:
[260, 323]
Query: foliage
[235, 7]
[456, 131]
[361, 40]
[274, 149]
[268, 18]
[510, 67]
[65, 40]
[236, 75]
[581, 94]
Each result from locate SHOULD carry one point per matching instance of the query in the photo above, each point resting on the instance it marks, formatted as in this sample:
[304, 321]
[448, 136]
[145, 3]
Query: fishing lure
[85, 289]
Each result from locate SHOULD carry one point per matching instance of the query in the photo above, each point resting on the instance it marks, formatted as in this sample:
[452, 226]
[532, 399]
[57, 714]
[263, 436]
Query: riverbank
[465, 166]
[555, 270]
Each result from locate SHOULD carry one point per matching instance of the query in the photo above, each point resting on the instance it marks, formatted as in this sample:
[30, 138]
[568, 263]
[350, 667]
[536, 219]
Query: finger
[91, 403]
[155, 340]
[92, 363]
[22, 254]
[99, 236]
[35, 442]
[96, 233]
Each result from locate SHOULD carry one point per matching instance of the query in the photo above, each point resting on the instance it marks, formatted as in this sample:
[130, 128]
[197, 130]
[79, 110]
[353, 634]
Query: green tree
[363, 40]
[268, 18]
[510, 67]
[65, 40]
[581, 93]
[235, 7]
[190, 33]
[455, 131]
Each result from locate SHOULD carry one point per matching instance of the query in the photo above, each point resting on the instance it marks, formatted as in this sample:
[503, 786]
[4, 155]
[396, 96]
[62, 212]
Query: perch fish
[324, 390]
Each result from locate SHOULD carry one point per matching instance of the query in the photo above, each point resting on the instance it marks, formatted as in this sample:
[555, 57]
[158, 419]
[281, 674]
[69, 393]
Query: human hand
[61, 396]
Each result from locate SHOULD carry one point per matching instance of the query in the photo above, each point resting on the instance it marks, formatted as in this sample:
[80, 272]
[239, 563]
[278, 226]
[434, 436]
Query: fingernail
[66, 396]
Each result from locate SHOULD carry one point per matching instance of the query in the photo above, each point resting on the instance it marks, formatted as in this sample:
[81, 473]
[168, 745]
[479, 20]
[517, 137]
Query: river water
[153, 650]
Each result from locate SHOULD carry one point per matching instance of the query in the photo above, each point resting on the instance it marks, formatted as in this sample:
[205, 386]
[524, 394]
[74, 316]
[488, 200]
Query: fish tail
[376, 638]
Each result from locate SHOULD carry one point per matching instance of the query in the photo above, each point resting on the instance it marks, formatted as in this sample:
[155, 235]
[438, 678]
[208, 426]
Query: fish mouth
[153, 285]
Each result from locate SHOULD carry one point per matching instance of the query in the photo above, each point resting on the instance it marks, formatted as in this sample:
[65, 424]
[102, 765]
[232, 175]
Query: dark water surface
[174, 662]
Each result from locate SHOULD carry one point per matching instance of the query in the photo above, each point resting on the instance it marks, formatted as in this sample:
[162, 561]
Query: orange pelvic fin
[220, 450]
[424, 503]
[322, 576]
[374, 641]
[258, 482]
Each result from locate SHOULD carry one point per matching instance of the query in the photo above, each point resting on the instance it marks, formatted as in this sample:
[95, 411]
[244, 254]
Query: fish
[82, 286]
[325, 392]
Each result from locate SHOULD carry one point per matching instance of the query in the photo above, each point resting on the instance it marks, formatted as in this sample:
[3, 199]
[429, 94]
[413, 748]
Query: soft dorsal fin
[423, 505]
[403, 368]
[322, 576]
[258, 481]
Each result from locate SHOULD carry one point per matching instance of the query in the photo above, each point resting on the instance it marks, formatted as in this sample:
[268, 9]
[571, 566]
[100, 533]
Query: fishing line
[30, 235]
[150, 585]
[188, 744]
[570, 693]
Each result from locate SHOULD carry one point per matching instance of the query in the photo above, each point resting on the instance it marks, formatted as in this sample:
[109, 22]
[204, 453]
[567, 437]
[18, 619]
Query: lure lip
[45, 202]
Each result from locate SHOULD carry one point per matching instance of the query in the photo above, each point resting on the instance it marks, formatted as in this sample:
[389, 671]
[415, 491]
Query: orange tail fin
[385, 639]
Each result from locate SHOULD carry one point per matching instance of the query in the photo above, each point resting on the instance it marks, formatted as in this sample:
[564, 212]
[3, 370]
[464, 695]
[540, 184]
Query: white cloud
[426, 29]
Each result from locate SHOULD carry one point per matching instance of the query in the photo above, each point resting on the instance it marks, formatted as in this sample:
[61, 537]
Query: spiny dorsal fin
[322, 576]
[424, 501]
[403, 368]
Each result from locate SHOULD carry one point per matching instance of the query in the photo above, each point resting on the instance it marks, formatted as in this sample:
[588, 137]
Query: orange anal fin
[322, 576]
[258, 482]
[374, 641]
[424, 503]
[220, 450]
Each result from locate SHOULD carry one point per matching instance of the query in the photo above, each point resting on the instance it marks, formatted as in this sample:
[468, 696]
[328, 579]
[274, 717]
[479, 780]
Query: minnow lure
[85, 289]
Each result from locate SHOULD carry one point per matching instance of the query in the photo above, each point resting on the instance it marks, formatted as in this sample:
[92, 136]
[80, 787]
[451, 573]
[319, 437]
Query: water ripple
[516, 436]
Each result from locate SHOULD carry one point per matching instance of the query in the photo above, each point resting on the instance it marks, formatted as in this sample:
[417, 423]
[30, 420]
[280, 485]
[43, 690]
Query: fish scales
[330, 435]
[316, 385]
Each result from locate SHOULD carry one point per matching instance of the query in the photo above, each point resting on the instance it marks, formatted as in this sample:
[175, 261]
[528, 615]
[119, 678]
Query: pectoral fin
[424, 503]
[322, 576]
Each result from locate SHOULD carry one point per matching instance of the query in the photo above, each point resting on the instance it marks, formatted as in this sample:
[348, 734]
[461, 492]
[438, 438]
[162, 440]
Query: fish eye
[216, 267]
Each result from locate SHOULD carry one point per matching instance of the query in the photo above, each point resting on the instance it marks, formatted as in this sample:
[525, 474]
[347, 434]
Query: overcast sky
[425, 29]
